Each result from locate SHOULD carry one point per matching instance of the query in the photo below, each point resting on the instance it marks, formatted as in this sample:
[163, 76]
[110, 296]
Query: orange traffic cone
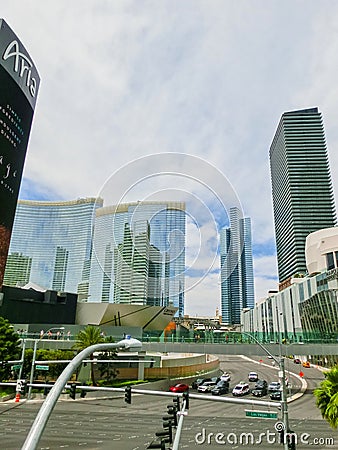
[17, 397]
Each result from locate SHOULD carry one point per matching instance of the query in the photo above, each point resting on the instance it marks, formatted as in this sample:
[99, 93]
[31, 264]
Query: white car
[253, 376]
[226, 376]
[206, 387]
[241, 389]
[274, 386]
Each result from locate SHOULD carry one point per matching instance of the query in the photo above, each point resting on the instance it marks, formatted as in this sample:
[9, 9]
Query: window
[329, 261]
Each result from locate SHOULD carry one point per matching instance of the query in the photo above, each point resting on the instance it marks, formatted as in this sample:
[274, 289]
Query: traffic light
[167, 434]
[186, 399]
[72, 391]
[127, 394]
[176, 402]
[83, 393]
[291, 440]
[172, 415]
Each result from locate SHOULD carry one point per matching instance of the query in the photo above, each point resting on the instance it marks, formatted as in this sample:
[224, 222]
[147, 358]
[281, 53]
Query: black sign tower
[19, 85]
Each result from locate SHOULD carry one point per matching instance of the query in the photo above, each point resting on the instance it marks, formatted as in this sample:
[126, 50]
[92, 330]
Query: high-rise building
[162, 251]
[133, 253]
[56, 238]
[302, 192]
[237, 280]
[138, 268]
[18, 270]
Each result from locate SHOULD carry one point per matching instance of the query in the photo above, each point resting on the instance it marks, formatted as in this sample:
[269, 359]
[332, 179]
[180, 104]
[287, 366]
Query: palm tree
[91, 335]
[327, 397]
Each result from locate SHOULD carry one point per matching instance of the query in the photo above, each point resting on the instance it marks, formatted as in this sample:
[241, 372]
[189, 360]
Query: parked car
[180, 387]
[253, 376]
[274, 386]
[222, 387]
[206, 387]
[225, 376]
[276, 395]
[261, 388]
[241, 389]
[197, 382]
[306, 364]
[297, 361]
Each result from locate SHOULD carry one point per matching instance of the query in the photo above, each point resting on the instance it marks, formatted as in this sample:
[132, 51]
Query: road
[109, 423]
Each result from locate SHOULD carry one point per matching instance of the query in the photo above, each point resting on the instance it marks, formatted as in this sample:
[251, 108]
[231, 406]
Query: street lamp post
[34, 358]
[284, 403]
[50, 401]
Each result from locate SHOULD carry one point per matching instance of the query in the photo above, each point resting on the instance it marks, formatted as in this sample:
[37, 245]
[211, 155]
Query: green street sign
[261, 414]
[16, 367]
[38, 367]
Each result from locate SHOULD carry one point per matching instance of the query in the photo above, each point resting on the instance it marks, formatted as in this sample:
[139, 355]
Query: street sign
[38, 367]
[16, 367]
[261, 414]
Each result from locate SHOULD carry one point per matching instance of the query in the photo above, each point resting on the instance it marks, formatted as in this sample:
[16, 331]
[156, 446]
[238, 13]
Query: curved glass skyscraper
[132, 253]
[56, 237]
[166, 222]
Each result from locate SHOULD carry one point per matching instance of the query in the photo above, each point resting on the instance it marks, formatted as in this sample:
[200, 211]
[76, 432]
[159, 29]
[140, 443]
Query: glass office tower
[237, 279]
[138, 268]
[56, 238]
[302, 191]
[166, 235]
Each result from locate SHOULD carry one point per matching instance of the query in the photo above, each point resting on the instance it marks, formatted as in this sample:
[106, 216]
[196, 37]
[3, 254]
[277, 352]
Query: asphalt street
[104, 423]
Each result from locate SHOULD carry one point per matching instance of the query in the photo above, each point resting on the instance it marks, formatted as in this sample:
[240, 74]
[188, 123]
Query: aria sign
[15, 59]
[22, 65]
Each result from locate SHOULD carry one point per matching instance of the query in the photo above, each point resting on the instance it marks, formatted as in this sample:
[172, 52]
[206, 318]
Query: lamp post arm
[45, 411]
[261, 346]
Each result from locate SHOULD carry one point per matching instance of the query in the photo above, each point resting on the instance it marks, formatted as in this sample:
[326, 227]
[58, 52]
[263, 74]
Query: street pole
[31, 378]
[22, 358]
[50, 401]
[284, 403]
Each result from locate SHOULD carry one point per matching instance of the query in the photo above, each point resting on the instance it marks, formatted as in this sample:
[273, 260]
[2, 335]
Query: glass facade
[55, 237]
[237, 279]
[302, 191]
[306, 311]
[319, 316]
[167, 228]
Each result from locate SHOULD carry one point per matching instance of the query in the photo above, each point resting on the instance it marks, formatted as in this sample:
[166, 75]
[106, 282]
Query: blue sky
[124, 79]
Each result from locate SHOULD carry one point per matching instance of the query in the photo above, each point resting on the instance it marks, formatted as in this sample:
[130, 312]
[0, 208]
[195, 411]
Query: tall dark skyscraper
[237, 279]
[302, 191]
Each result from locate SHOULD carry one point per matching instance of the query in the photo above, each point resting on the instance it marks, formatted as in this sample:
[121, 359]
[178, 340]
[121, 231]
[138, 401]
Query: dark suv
[222, 387]
[261, 388]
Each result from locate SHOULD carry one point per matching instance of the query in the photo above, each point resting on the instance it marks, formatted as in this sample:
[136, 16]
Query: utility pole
[281, 365]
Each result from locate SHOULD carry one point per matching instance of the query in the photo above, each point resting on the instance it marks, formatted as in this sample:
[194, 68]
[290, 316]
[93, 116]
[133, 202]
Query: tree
[9, 347]
[91, 335]
[105, 369]
[327, 397]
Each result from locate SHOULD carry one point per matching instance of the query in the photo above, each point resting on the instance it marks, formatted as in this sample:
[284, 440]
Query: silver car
[206, 387]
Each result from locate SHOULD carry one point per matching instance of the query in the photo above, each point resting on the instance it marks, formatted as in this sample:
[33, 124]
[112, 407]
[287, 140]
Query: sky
[182, 98]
